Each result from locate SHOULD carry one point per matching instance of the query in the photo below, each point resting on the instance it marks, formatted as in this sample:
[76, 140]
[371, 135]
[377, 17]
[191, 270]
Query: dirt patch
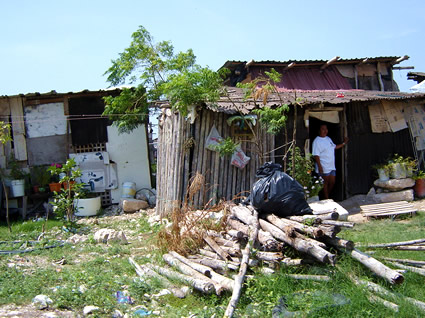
[30, 311]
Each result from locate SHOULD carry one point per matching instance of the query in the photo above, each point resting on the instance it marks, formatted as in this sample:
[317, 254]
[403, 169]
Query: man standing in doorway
[324, 157]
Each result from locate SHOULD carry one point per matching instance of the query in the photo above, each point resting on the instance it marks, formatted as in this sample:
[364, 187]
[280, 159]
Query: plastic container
[128, 190]
[88, 206]
[383, 175]
[18, 188]
[398, 171]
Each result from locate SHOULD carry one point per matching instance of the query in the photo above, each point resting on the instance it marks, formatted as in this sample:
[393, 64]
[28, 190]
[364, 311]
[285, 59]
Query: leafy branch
[159, 74]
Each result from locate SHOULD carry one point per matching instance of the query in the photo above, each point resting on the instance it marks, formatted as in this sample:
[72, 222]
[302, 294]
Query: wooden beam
[378, 72]
[249, 63]
[290, 65]
[403, 68]
[364, 61]
[400, 59]
[356, 77]
[331, 61]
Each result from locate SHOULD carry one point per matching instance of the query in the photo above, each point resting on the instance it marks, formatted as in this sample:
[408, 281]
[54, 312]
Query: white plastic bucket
[128, 190]
[18, 188]
[87, 207]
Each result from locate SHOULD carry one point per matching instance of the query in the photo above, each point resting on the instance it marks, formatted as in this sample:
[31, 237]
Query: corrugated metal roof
[235, 101]
[356, 60]
[53, 93]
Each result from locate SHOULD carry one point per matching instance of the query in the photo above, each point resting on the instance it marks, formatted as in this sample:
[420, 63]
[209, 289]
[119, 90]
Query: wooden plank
[380, 207]
[389, 210]
[387, 213]
[187, 168]
[221, 177]
[206, 161]
[384, 204]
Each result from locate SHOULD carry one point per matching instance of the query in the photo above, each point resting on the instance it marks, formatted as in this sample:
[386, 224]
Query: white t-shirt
[325, 149]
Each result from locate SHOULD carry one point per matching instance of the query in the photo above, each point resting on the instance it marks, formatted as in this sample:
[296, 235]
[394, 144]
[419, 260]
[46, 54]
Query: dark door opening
[335, 133]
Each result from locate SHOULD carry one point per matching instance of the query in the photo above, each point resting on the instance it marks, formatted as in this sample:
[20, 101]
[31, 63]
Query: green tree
[157, 73]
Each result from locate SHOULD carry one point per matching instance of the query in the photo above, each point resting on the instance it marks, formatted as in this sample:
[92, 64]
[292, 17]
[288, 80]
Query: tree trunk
[204, 286]
[338, 242]
[281, 223]
[244, 266]
[145, 271]
[396, 243]
[215, 263]
[269, 256]
[377, 267]
[299, 244]
[310, 277]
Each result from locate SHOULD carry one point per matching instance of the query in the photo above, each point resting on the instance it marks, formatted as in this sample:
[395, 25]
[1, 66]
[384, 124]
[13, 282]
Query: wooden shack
[372, 119]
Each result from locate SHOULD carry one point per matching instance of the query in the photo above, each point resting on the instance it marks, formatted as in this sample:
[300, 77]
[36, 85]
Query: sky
[67, 46]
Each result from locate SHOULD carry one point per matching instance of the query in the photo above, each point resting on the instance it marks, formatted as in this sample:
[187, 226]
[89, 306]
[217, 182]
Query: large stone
[133, 205]
[42, 301]
[109, 235]
[406, 195]
[395, 184]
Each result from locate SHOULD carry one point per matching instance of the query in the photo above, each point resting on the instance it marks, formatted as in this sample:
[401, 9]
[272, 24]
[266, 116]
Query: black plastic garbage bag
[277, 193]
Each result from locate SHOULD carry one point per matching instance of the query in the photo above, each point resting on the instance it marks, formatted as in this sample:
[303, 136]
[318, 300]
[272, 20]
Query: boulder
[109, 235]
[395, 184]
[133, 205]
[42, 301]
[384, 197]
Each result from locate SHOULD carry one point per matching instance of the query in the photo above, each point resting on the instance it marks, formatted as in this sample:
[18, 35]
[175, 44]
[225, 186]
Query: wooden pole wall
[177, 164]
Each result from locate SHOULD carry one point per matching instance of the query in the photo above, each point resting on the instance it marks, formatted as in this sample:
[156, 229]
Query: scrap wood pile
[313, 236]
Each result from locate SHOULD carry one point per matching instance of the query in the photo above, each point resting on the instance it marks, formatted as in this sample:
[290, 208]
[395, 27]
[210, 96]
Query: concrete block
[327, 206]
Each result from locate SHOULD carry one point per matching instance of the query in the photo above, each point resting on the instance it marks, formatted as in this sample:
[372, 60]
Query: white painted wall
[130, 153]
[45, 120]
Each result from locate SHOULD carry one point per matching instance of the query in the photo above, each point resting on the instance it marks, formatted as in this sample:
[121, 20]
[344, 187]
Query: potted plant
[63, 200]
[304, 168]
[411, 166]
[397, 165]
[17, 178]
[87, 203]
[55, 185]
[419, 187]
[384, 171]
[40, 178]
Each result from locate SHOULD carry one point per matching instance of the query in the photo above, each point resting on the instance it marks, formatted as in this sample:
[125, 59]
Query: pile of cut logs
[268, 235]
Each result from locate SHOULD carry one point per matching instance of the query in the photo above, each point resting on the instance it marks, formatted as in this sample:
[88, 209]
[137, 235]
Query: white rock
[110, 235]
[395, 184]
[133, 205]
[76, 238]
[406, 195]
[89, 309]
[42, 301]
[82, 289]
[163, 292]
[117, 314]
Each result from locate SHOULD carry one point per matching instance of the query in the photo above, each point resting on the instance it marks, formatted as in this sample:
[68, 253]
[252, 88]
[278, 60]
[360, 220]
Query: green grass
[92, 273]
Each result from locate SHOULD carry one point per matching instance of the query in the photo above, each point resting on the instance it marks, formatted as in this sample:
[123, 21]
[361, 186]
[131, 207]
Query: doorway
[335, 132]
